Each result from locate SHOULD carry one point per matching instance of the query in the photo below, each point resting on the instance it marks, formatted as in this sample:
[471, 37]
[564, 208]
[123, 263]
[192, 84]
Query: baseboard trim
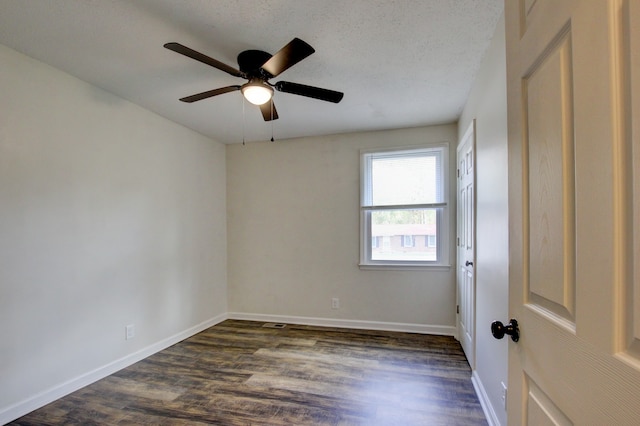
[344, 323]
[43, 398]
[487, 407]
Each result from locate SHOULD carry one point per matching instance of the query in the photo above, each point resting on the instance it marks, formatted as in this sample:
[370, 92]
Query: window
[374, 242]
[407, 241]
[403, 200]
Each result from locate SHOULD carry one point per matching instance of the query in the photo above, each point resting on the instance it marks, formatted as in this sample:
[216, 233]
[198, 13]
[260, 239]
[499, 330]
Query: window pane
[409, 179]
[407, 235]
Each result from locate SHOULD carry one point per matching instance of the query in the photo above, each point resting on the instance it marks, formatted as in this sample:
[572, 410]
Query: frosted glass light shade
[257, 93]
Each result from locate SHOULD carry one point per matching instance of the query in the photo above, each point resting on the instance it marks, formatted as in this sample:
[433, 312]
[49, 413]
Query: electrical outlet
[335, 303]
[504, 395]
[129, 331]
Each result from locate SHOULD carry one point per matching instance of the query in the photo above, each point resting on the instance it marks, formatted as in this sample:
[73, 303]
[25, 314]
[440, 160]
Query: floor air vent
[274, 325]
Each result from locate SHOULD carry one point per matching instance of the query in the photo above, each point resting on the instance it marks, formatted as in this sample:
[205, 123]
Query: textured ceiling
[400, 63]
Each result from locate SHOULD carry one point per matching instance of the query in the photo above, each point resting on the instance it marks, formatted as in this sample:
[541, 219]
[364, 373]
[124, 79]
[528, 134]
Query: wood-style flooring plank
[240, 373]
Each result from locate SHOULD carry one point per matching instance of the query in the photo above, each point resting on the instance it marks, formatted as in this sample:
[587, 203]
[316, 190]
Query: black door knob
[499, 330]
[467, 263]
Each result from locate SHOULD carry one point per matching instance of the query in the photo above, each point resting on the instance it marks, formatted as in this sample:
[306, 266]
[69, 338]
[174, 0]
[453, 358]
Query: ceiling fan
[259, 67]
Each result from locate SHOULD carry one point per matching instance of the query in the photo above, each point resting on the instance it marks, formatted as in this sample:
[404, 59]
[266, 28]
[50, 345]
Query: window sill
[403, 267]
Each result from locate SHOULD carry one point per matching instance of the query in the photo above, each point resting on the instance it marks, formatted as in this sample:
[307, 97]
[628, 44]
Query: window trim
[442, 218]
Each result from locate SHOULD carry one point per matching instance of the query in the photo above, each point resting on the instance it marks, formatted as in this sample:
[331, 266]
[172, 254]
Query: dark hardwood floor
[241, 373]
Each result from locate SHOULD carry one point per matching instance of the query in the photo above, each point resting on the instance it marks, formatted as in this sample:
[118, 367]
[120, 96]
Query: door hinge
[458, 172]
[458, 241]
[457, 309]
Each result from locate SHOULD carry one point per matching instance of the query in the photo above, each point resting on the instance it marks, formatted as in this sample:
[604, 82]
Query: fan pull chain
[243, 121]
[272, 140]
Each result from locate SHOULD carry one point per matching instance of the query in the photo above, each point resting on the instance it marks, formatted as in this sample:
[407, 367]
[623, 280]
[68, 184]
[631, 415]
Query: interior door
[574, 168]
[466, 244]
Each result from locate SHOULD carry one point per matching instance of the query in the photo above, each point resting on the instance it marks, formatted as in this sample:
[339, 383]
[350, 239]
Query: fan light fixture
[257, 67]
[257, 92]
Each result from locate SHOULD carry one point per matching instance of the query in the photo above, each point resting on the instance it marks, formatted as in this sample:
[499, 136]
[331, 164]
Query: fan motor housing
[251, 61]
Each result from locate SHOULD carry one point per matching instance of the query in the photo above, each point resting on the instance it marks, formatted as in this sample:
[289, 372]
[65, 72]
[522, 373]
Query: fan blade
[210, 93]
[184, 50]
[287, 57]
[309, 91]
[268, 110]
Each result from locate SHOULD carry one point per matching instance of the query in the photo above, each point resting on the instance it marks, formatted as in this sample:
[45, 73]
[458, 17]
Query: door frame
[469, 134]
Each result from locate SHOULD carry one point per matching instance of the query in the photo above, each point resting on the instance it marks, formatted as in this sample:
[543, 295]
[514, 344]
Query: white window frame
[366, 207]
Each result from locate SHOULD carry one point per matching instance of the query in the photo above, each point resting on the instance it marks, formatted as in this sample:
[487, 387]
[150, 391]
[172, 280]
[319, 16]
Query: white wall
[109, 215]
[488, 104]
[293, 226]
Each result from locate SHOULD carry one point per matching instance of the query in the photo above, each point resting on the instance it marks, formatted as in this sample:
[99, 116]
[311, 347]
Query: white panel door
[574, 168]
[466, 244]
